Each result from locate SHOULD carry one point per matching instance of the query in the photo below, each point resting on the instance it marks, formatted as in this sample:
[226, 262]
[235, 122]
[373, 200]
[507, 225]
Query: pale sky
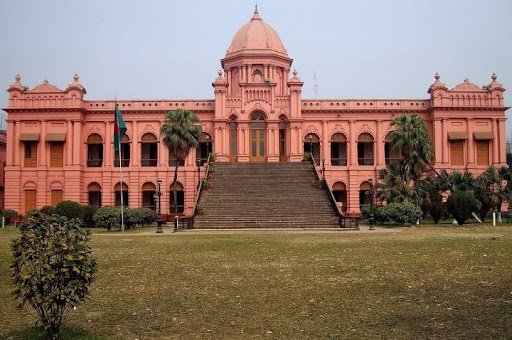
[169, 49]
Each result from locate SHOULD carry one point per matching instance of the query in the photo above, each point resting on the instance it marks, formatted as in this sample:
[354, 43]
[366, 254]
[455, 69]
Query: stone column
[471, 147]
[69, 139]
[502, 141]
[445, 143]
[438, 142]
[379, 152]
[12, 144]
[352, 144]
[108, 145]
[77, 142]
[495, 142]
[325, 143]
[42, 158]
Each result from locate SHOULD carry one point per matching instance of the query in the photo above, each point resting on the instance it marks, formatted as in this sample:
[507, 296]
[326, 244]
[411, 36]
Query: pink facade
[60, 144]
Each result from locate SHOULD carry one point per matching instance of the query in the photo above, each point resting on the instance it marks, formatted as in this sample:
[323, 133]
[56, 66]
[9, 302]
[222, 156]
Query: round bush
[69, 209]
[461, 204]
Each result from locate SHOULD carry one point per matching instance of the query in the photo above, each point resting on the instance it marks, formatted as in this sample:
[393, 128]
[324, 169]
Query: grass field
[422, 282]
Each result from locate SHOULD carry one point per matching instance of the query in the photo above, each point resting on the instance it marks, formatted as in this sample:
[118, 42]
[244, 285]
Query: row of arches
[148, 150]
[148, 192]
[339, 191]
[338, 148]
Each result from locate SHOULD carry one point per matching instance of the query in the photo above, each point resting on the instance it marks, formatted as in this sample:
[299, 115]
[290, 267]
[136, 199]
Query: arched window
[284, 127]
[205, 147]
[257, 77]
[312, 146]
[365, 193]
[365, 149]
[125, 153]
[94, 193]
[233, 139]
[180, 198]
[390, 153]
[339, 149]
[94, 150]
[258, 127]
[148, 195]
[149, 150]
[339, 191]
[118, 190]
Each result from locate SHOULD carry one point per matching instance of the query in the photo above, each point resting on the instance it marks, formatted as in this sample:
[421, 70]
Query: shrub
[380, 213]
[48, 210]
[148, 215]
[69, 209]
[107, 217]
[88, 212]
[461, 204]
[9, 214]
[404, 213]
[52, 267]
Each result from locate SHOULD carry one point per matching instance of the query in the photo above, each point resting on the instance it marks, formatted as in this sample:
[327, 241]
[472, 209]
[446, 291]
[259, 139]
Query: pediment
[45, 87]
[467, 86]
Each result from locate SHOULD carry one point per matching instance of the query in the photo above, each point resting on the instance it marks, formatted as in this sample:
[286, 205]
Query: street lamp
[370, 193]
[158, 199]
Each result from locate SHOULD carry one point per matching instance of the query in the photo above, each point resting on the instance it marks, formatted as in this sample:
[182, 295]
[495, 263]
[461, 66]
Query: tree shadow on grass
[38, 333]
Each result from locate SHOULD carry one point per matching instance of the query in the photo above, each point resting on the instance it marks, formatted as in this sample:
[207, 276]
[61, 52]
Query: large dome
[256, 36]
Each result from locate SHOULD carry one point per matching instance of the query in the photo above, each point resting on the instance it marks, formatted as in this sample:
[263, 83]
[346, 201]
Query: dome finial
[256, 15]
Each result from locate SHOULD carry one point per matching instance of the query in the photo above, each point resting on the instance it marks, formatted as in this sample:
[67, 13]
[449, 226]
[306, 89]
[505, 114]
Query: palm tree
[497, 181]
[181, 132]
[412, 140]
[395, 186]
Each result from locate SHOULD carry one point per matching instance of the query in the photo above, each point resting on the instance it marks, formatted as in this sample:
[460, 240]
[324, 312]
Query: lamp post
[311, 145]
[370, 193]
[158, 196]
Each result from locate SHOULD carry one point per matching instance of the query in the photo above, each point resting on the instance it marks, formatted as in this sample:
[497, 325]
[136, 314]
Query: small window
[457, 152]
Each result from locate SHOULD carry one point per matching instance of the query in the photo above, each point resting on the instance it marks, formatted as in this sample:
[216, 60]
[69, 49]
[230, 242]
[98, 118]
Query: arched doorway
[149, 150]
[390, 154]
[312, 146]
[339, 149]
[283, 130]
[233, 139]
[94, 193]
[180, 198]
[94, 150]
[365, 152]
[258, 147]
[339, 191]
[121, 190]
[364, 193]
[148, 195]
[205, 147]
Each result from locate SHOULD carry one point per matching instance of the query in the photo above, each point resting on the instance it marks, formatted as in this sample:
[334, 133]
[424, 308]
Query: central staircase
[264, 195]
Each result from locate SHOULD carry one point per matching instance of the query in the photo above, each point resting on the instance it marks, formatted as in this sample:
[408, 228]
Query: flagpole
[120, 170]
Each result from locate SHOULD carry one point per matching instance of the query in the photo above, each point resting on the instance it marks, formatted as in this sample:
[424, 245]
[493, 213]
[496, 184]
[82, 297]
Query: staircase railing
[343, 221]
[200, 190]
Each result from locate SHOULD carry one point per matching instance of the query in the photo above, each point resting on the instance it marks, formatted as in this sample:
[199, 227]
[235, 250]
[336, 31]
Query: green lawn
[422, 282]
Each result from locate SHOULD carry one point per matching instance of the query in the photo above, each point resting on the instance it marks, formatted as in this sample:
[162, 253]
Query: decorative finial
[76, 77]
[255, 8]
[220, 73]
[494, 77]
[18, 78]
[437, 76]
[295, 73]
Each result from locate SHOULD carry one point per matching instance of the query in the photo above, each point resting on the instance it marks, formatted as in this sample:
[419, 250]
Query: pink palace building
[60, 144]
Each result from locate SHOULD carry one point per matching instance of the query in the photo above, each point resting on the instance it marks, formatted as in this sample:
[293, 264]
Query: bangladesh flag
[119, 128]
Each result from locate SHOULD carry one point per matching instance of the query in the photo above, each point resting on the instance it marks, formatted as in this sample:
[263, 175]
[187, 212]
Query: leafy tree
[396, 186]
[9, 214]
[48, 210]
[88, 212]
[461, 204]
[496, 182]
[433, 188]
[412, 140]
[52, 267]
[107, 217]
[405, 213]
[181, 132]
[69, 209]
